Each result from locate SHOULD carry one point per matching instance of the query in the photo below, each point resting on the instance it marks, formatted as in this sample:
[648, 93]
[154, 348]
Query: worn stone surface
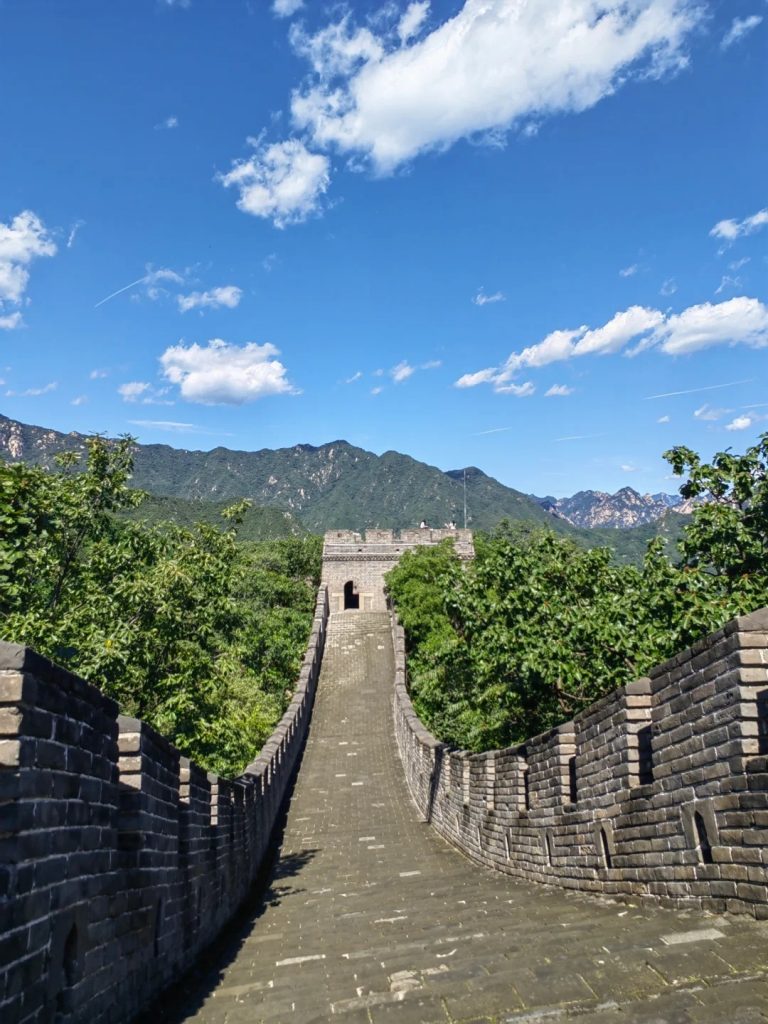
[369, 916]
[658, 791]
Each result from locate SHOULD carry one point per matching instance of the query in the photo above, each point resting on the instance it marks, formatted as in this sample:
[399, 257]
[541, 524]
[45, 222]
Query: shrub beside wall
[120, 860]
[659, 790]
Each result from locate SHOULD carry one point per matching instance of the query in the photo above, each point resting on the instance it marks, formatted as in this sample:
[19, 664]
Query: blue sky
[483, 234]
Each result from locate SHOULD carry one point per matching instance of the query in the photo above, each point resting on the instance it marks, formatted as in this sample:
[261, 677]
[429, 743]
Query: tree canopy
[535, 629]
[197, 634]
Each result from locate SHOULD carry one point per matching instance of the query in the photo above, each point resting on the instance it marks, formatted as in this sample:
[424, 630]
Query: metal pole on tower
[465, 499]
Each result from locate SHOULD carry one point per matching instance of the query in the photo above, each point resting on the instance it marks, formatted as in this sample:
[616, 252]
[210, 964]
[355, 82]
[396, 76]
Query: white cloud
[153, 280]
[11, 321]
[495, 65]
[628, 468]
[269, 262]
[172, 425]
[286, 8]
[669, 287]
[221, 373]
[726, 281]
[707, 412]
[227, 295]
[355, 377]
[518, 390]
[558, 390]
[431, 364]
[695, 391]
[481, 299]
[471, 380]
[73, 232]
[663, 419]
[402, 372]
[133, 390]
[143, 393]
[79, 400]
[282, 182]
[168, 124]
[412, 20]
[23, 240]
[98, 374]
[376, 391]
[729, 230]
[740, 423]
[34, 392]
[619, 331]
[738, 321]
[629, 271]
[740, 27]
[337, 49]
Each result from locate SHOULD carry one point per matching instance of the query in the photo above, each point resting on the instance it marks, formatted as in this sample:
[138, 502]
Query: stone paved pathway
[370, 917]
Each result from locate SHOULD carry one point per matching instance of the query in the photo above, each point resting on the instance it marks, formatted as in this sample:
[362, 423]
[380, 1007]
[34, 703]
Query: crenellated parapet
[659, 790]
[354, 564]
[120, 859]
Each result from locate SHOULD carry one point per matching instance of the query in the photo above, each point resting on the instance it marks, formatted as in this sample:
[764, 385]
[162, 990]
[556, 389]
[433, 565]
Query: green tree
[189, 630]
[536, 628]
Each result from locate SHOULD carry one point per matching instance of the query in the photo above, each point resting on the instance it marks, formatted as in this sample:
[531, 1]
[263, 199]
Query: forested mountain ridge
[335, 485]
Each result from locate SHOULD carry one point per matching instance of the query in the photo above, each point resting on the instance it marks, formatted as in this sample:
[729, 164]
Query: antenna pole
[465, 499]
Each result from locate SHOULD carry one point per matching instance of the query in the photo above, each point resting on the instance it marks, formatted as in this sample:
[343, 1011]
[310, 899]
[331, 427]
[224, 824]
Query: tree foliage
[200, 636]
[535, 628]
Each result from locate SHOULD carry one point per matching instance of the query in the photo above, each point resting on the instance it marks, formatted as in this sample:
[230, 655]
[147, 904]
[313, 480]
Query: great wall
[121, 861]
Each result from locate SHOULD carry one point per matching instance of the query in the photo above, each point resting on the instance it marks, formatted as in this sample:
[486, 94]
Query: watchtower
[354, 565]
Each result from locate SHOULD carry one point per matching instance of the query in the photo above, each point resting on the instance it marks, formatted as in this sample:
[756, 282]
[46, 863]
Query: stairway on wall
[370, 916]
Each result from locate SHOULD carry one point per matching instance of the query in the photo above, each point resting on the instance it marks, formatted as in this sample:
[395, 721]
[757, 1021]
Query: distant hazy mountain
[622, 510]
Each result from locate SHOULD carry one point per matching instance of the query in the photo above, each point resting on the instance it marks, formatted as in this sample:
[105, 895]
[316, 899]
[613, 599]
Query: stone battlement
[659, 790]
[120, 859]
[354, 565]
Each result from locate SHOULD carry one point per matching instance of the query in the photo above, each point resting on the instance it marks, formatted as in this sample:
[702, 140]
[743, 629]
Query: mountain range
[340, 486]
[625, 509]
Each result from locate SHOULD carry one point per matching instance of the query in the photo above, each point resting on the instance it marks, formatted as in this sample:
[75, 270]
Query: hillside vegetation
[197, 634]
[255, 524]
[536, 628]
[334, 486]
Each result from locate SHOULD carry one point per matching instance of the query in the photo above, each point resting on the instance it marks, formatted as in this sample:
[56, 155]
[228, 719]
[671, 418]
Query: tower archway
[351, 597]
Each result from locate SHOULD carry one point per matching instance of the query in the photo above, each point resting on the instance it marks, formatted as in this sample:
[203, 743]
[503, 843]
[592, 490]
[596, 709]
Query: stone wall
[363, 561]
[657, 791]
[120, 860]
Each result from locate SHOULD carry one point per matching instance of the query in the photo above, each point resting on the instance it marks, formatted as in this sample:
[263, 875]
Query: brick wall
[657, 791]
[120, 860]
[363, 561]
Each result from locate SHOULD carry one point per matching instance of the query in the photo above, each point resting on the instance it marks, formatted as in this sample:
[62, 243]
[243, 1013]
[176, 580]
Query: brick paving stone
[454, 942]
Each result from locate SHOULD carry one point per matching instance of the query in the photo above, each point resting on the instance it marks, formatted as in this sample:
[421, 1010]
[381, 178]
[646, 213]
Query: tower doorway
[351, 599]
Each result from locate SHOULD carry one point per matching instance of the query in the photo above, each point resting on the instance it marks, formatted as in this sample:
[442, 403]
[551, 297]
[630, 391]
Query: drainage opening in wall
[605, 848]
[762, 722]
[546, 843]
[68, 975]
[526, 790]
[573, 787]
[351, 598]
[704, 842]
[645, 755]
[158, 923]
